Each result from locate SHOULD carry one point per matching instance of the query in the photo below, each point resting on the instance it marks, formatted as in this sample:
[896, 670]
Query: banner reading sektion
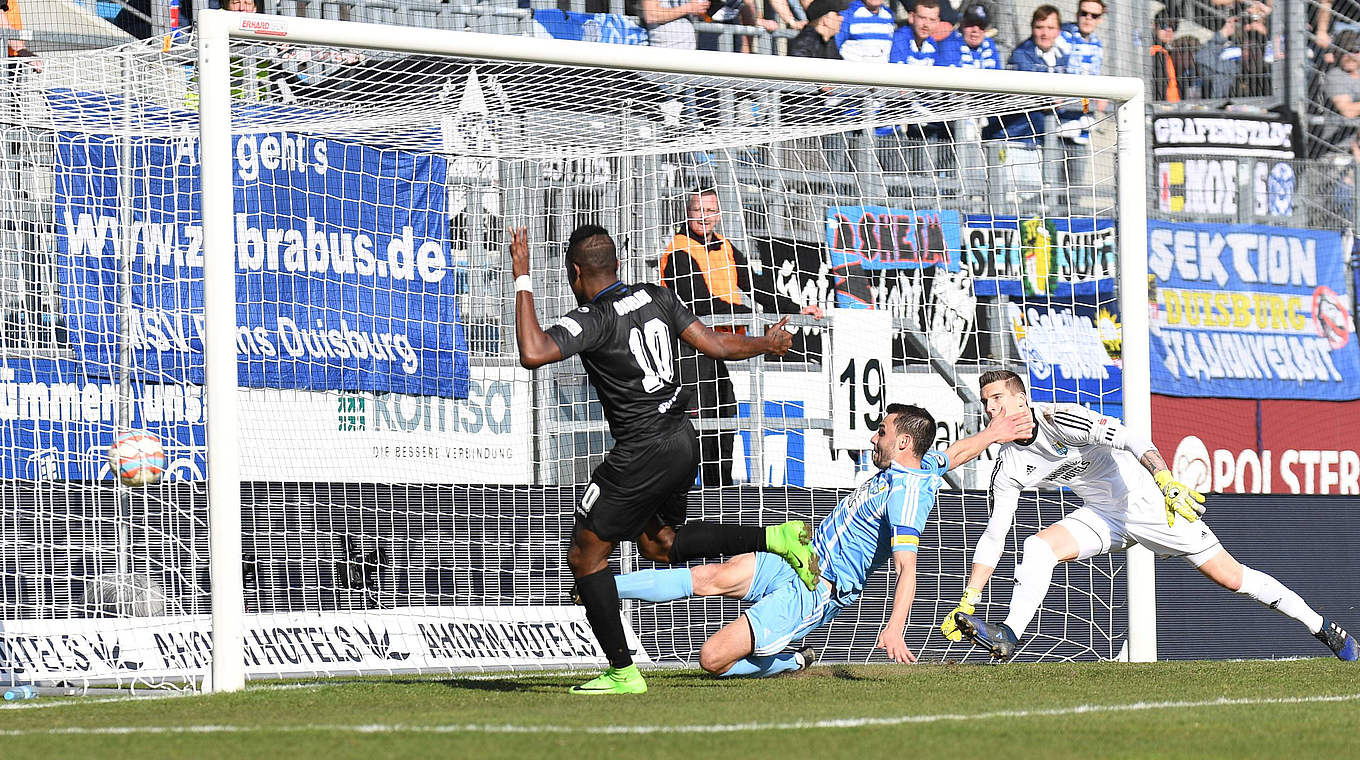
[1250, 312]
[1061, 256]
[343, 269]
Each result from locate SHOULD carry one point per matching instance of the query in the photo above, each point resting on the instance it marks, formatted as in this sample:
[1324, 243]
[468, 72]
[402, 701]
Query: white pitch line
[720, 728]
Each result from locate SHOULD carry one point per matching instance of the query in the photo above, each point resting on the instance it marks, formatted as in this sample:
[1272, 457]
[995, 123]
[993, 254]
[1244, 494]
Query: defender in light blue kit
[882, 518]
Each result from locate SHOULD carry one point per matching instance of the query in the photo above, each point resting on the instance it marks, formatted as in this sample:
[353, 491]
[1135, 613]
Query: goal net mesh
[409, 489]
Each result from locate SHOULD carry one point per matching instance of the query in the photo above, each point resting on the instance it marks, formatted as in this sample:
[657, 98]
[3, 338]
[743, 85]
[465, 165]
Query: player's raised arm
[731, 346]
[536, 348]
[1002, 428]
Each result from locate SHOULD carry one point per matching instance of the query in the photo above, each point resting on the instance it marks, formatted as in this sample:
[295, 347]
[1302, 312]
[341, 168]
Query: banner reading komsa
[1250, 312]
[343, 270]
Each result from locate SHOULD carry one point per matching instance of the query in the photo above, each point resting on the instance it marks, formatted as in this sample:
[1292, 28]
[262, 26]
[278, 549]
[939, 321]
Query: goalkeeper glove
[950, 627]
[1180, 499]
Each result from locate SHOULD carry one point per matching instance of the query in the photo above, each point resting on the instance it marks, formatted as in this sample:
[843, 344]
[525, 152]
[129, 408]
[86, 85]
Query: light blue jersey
[885, 514]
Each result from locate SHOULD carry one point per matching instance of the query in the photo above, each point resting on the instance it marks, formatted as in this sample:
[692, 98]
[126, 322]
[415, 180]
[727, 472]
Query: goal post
[216, 28]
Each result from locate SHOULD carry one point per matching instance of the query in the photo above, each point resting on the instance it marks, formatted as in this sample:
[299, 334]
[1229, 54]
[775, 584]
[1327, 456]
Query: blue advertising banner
[1072, 351]
[867, 242]
[344, 279]
[1250, 312]
[57, 422]
[590, 27]
[1062, 257]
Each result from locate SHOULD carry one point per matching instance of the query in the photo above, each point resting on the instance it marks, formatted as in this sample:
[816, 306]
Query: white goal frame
[217, 28]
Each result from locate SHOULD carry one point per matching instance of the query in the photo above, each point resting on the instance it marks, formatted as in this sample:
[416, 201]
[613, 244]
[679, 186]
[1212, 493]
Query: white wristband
[524, 283]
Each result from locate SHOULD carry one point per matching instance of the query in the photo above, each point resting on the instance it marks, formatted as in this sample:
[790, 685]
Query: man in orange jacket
[710, 276]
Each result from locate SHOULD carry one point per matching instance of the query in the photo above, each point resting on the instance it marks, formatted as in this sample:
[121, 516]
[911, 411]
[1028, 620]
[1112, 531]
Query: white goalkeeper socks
[1032, 579]
[1275, 595]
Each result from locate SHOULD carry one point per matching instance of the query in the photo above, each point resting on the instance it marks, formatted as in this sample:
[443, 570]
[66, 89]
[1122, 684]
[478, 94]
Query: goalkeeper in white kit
[1130, 498]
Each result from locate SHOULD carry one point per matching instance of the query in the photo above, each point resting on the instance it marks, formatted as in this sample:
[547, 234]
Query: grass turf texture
[428, 717]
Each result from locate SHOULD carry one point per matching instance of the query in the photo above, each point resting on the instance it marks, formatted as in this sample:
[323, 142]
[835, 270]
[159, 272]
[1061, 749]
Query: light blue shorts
[784, 610]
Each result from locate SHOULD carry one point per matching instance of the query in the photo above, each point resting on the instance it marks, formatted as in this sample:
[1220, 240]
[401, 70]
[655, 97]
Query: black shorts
[638, 481]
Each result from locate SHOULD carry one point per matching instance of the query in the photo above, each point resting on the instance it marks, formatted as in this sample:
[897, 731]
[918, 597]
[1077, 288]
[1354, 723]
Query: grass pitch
[1296, 709]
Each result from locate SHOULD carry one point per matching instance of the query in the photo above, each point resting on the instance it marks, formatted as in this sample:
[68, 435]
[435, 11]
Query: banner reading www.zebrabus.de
[343, 270]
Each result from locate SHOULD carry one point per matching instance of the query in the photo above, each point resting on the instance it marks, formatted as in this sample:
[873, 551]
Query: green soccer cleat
[614, 681]
[792, 541]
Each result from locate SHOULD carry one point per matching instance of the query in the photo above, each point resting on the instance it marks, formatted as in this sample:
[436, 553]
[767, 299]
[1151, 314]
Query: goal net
[405, 490]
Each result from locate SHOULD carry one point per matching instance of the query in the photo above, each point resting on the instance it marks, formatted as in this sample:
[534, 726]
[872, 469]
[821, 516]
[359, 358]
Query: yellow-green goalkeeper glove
[950, 628]
[1180, 499]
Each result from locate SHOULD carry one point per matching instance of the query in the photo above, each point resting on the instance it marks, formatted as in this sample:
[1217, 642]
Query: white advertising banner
[295, 644]
[390, 437]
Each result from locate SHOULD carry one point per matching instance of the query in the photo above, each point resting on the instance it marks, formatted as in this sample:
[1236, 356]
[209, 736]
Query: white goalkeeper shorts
[1101, 533]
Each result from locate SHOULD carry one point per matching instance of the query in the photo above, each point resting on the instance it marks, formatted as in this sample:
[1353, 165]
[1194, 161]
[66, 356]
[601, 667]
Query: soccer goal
[278, 247]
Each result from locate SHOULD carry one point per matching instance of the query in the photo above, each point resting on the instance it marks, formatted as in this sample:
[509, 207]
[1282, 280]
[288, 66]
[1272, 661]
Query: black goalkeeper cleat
[1336, 639]
[998, 638]
[806, 657]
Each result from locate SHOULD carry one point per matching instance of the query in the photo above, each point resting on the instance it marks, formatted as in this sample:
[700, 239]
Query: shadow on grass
[556, 684]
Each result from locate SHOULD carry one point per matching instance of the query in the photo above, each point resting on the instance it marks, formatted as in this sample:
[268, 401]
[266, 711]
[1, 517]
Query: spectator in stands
[1038, 53]
[1165, 83]
[970, 47]
[1041, 51]
[1219, 61]
[1254, 78]
[913, 43]
[790, 12]
[1235, 61]
[1085, 55]
[818, 38]
[866, 32]
[1343, 182]
[1085, 51]
[948, 23]
[1014, 142]
[735, 12]
[1183, 51]
[670, 23]
[1341, 85]
[710, 276]
[1334, 16]
[14, 20]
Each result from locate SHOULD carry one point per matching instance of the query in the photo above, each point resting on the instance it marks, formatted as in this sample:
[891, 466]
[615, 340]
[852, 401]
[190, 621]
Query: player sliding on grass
[882, 517]
[1098, 458]
[625, 334]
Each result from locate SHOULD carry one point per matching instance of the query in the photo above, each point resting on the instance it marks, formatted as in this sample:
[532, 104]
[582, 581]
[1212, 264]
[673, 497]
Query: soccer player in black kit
[626, 337]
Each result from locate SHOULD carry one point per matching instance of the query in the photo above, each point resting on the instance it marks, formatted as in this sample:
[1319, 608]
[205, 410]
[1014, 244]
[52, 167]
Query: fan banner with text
[1250, 312]
[344, 277]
